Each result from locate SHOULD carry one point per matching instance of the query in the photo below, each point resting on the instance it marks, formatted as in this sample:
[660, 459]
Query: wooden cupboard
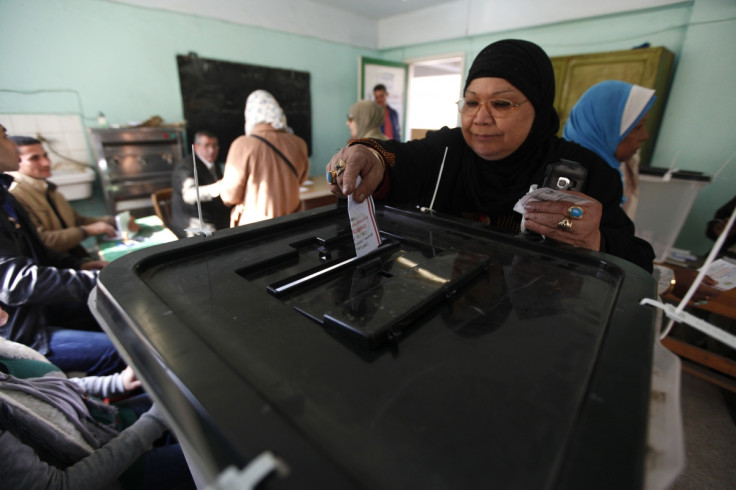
[648, 67]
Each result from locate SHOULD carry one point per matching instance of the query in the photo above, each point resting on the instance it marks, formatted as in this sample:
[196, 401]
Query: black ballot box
[454, 356]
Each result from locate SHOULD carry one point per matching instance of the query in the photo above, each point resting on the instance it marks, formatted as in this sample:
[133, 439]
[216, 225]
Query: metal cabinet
[134, 162]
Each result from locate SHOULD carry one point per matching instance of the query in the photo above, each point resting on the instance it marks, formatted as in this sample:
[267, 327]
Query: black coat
[33, 276]
[413, 180]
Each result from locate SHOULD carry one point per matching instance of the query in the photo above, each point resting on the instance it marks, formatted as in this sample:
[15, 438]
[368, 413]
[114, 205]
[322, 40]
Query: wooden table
[316, 193]
[701, 362]
[724, 305]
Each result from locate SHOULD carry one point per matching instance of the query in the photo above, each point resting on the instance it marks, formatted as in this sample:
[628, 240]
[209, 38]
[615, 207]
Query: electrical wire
[52, 91]
[51, 148]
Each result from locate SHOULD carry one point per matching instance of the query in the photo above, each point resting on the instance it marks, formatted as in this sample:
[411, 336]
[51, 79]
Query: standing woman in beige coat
[266, 166]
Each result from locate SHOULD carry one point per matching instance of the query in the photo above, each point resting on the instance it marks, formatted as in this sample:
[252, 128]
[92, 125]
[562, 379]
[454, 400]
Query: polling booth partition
[453, 356]
[666, 197]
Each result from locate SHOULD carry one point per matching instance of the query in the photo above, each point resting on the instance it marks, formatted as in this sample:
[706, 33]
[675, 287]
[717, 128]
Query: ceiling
[353, 22]
[380, 9]
[386, 24]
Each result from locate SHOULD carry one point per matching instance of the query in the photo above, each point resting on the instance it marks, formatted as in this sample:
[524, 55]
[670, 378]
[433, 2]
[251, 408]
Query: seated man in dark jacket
[184, 213]
[45, 292]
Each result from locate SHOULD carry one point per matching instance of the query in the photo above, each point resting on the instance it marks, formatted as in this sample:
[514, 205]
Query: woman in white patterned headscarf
[266, 166]
[262, 107]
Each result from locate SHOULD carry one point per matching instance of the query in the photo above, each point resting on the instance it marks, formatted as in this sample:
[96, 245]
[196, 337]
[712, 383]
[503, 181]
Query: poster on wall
[391, 74]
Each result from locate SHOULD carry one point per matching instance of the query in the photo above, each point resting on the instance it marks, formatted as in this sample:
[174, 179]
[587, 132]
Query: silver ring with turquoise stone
[575, 212]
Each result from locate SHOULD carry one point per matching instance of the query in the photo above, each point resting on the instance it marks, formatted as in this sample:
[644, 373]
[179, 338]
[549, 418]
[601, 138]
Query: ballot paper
[547, 194]
[363, 224]
[724, 272]
[122, 222]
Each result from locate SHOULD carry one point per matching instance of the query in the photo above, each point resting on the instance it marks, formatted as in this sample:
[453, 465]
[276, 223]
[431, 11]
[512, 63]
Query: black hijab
[495, 186]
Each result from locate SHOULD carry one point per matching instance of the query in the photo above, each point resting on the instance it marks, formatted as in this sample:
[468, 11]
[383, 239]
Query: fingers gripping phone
[565, 175]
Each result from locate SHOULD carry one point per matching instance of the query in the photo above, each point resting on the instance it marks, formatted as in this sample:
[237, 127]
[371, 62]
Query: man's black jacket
[33, 276]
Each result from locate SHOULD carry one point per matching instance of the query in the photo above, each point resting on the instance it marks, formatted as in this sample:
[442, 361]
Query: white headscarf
[262, 107]
[639, 101]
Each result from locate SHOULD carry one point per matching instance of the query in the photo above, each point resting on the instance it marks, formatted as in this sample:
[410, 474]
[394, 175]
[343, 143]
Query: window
[434, 87]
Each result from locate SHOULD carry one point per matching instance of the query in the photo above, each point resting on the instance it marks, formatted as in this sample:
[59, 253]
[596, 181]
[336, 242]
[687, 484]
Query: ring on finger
[565, 224]
[340, 165]
[332, 177]
[575, 212]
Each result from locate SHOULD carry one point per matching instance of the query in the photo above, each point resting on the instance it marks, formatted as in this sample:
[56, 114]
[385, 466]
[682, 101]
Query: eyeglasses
[495, 107]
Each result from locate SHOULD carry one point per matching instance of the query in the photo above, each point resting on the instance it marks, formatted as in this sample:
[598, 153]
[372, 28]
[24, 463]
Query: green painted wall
[122, 60]
[89, 55]
[700, 118]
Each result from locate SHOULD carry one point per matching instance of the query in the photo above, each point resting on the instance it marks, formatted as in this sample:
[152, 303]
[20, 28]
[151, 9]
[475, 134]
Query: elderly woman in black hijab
[506, 140]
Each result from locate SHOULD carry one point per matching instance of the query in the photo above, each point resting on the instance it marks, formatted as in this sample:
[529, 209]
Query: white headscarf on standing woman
[262, 107]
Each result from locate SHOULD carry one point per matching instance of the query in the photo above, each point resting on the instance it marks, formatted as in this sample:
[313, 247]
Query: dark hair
[380, 86]
[204, 133]
[24, 140]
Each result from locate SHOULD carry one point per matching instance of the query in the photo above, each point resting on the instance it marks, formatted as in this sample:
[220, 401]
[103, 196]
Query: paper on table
[724, 272]
[122, 221]
[363, 223]
[547, 194]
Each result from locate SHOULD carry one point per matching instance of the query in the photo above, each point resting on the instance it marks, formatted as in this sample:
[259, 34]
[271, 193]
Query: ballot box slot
[304, 256]
[281, 259]
[296, 255]
[322, 272]
[346, 236]
[342, 236]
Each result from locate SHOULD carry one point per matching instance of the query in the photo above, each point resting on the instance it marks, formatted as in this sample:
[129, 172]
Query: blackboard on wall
[214, 92]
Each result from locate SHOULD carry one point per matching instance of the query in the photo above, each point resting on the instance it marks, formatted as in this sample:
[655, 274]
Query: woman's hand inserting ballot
[351, 162]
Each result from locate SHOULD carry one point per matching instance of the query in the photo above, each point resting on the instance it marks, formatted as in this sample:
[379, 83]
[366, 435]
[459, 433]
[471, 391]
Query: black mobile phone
[565, 175]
